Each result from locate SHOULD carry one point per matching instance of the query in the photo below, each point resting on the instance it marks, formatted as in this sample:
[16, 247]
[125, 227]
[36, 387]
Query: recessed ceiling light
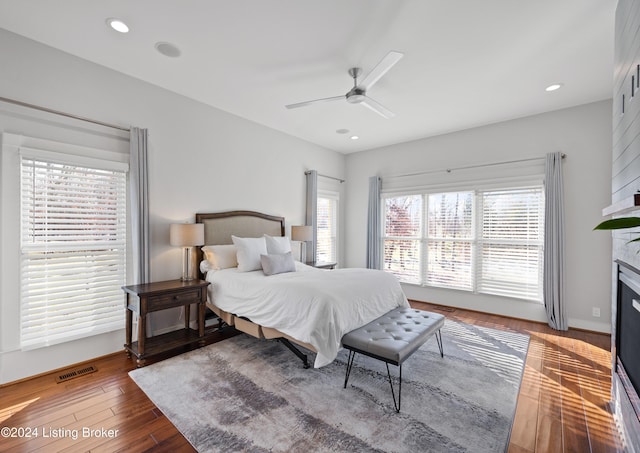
[117, 25]
[342, 131]
[354, 137]
[168, 50]
[554, 87]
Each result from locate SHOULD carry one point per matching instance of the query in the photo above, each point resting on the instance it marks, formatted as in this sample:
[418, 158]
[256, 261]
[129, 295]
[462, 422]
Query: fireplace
[626, 354]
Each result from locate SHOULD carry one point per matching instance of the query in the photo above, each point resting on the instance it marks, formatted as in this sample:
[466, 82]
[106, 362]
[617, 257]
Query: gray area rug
[244, 394]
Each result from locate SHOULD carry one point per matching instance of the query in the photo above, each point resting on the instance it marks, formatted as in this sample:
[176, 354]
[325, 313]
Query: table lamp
[303, 234]
[186, 235]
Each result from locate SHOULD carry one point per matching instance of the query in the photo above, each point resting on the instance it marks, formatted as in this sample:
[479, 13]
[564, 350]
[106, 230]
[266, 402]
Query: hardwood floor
[565, 389]
[562, 405]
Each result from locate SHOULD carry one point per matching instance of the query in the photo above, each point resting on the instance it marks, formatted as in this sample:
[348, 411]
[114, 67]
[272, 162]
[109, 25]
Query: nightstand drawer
[175, 299]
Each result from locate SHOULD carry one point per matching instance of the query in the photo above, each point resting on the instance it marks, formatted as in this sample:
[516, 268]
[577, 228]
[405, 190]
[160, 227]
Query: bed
[311, 308]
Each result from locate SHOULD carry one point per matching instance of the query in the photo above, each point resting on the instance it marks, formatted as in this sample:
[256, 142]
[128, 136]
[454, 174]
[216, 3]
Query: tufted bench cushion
[392, 338]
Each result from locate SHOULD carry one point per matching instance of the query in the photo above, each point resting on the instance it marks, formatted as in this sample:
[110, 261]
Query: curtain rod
[68, 115]
[491, 164]
[325, 176]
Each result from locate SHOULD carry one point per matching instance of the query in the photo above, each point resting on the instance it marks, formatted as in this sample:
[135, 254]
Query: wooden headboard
[219, 226]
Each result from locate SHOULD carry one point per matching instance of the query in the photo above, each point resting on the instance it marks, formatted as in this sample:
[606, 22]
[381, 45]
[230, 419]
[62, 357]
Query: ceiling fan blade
[315, 101]
[377, 107]
[381, 69]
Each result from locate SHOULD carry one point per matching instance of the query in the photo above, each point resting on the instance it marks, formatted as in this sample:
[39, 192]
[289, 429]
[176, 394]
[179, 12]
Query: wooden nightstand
[321, 264]
[149, 297]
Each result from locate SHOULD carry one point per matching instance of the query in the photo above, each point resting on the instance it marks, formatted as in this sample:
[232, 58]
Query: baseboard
[590, 326]
[574, 324]
[58, 370]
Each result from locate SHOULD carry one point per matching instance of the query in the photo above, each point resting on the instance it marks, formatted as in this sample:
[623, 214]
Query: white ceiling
[466, 62]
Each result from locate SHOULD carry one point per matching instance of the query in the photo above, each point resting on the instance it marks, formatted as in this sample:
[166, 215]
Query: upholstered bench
[392, 338]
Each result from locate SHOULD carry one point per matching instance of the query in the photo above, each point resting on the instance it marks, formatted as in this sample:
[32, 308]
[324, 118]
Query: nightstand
[149, 297]
[321, 264]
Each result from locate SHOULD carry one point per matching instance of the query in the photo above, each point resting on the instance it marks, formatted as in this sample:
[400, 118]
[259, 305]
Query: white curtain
[139, 204]
[554, 234]
[312, 212]
[373, 223]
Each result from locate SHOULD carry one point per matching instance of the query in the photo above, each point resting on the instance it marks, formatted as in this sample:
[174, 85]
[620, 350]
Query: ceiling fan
[358, 94]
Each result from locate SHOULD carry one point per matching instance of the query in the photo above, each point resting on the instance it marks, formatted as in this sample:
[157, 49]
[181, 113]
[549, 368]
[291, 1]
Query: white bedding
[311, 305]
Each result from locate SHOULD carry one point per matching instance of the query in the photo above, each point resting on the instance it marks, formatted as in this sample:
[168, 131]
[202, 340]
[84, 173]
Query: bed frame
[218, 229]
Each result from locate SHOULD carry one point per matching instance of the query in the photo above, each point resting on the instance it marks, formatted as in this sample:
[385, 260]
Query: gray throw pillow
[277, 263]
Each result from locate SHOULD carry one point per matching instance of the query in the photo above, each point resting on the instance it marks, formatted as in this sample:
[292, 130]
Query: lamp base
[186, 265]
[303, 252]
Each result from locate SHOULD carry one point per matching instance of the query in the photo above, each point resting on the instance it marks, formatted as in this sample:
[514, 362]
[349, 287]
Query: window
[510, 246]
[327, 227]
[450, 240]
[73, 229]
[486, 241]
[403, 232]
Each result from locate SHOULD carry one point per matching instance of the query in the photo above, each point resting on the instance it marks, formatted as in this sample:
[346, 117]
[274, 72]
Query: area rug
[245, 394]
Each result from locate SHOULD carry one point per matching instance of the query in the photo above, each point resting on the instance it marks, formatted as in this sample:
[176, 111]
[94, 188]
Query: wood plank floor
[563, 400]
[562, 405]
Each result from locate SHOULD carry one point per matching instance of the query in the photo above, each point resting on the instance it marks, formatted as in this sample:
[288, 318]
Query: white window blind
[487, 241]
[450, 240]
[73, 250]
[510, 242]
[327, 227]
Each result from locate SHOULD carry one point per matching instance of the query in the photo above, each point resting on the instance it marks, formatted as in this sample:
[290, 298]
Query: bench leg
[393, 394]
[439, 340]
[352, 355]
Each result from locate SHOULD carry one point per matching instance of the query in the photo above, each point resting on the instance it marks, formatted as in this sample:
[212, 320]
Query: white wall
[201, 160]
[583, 133]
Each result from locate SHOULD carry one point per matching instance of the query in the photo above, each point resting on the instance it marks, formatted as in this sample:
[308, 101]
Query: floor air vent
[70, 374]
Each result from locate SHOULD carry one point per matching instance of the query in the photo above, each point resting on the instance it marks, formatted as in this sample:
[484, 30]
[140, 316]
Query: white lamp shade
[186, 234]
[301, 233]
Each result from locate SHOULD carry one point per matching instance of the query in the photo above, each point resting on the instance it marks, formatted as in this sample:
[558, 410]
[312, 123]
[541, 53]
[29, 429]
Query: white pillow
[277, 244]
[277, 263]
[249, 251]
[221, 256]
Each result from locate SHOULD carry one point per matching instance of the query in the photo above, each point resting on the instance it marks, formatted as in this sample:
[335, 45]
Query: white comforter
[311, 305]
